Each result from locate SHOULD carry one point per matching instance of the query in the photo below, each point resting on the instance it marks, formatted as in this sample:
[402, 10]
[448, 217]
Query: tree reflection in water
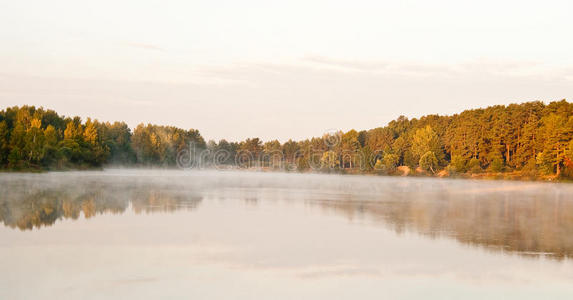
[31, 205]
[530, 224]
[524, 218]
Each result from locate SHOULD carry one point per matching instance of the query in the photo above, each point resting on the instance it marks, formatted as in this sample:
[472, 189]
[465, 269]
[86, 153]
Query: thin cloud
[380, 66]
[348, 64]
[489, 65]
[479, 66]
[143, 46]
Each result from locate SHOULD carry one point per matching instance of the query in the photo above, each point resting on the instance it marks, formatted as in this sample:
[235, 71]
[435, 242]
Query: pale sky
[281, 69]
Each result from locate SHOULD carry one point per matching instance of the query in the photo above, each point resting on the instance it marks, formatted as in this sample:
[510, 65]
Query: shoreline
[499, 176]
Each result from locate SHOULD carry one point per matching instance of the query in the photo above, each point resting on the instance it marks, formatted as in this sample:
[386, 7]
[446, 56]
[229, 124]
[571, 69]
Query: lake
[170, 234]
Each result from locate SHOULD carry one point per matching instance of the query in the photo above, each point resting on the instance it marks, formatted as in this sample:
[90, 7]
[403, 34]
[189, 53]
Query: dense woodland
[531, 139]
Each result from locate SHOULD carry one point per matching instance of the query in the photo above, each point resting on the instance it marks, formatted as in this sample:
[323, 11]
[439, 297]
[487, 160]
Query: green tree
[556, 138]
[350, 146]
[330, 160]
[429, 162]
[426, 140]
[34, 141]
[73, 131]
[50, 145]
[273, 155]
[380, 141]
[390, 162]
[474, 165]
[458, 164]
[290, 149]
[400, 146]
[254, 146]
[90, 134]
[15, 158]
[496, 165]
[4, 142]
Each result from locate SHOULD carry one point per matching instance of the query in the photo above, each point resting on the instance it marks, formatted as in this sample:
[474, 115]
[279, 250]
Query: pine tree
[556, 138]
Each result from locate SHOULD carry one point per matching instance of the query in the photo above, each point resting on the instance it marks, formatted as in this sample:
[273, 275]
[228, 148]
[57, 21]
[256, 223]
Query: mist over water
[240, 234]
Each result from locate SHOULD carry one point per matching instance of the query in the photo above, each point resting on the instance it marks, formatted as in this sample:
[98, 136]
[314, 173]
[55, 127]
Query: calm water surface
[136, 234]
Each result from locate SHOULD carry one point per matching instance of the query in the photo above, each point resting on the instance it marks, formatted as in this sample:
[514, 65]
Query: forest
[532, 139]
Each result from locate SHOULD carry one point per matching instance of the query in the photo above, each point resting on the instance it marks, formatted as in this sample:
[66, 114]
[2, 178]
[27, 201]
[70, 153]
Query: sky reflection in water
[208, 234]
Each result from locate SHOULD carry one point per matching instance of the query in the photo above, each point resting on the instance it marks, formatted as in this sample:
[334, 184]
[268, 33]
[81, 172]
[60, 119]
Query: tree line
[35, 138]
[531, 138]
